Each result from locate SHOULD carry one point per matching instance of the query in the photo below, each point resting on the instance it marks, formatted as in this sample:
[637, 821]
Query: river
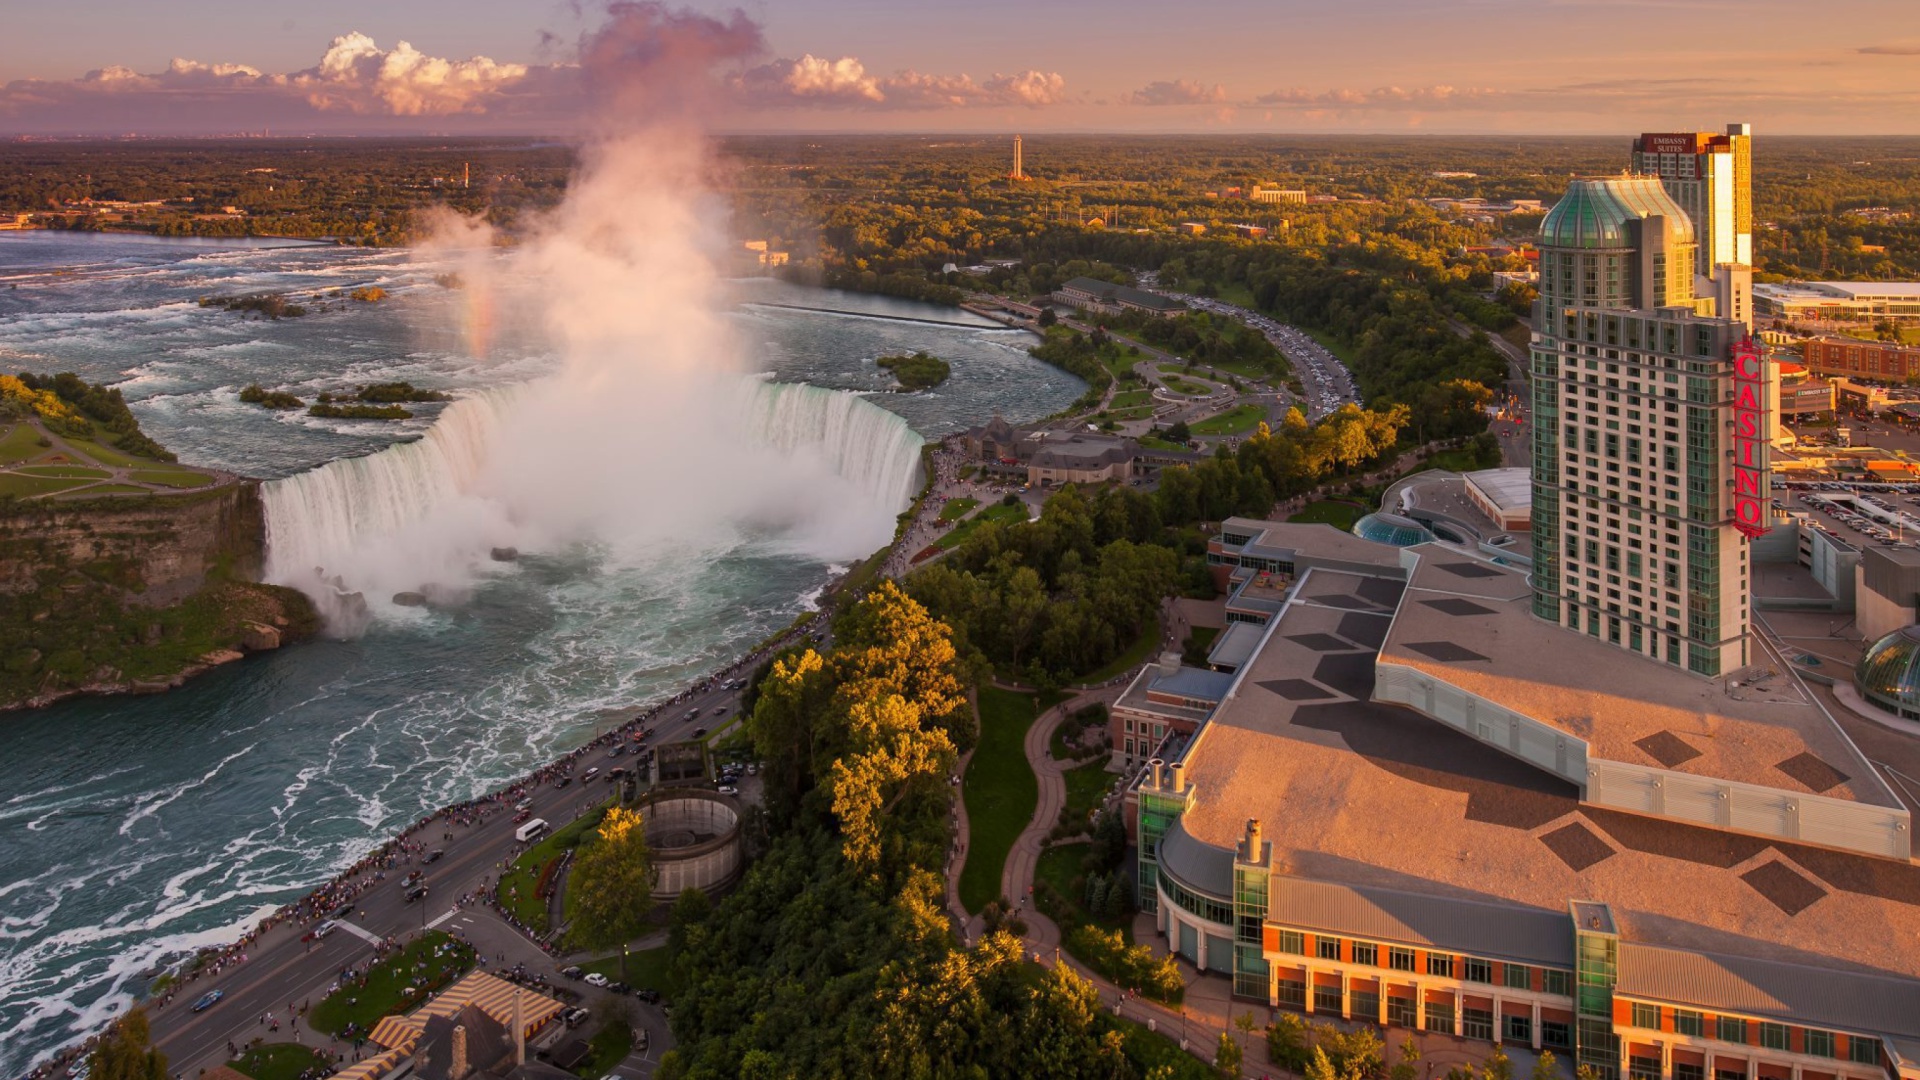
[134, 829]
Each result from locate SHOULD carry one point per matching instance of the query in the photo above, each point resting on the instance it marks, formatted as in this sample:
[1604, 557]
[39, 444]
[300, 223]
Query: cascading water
[354, 532]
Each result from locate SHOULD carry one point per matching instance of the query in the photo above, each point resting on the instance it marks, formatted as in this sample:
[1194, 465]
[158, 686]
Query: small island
[375, 401]
[920, 371]
[254, 394]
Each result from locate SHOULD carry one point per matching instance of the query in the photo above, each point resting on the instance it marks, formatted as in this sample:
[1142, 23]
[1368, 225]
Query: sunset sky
[477, 66]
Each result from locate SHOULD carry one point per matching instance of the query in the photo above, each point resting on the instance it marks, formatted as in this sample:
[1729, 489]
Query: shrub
[1134, 966]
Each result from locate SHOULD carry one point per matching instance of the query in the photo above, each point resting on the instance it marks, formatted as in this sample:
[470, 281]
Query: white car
[594, 978]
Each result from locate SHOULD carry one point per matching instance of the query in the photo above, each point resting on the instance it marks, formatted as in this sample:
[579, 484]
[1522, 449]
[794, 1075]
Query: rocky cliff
[135, 593]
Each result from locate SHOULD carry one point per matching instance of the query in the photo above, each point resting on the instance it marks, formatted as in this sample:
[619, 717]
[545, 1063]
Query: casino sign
[1749, 439]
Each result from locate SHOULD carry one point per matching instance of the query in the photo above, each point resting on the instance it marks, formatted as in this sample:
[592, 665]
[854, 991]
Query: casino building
[1639, 402]
[1411, 803]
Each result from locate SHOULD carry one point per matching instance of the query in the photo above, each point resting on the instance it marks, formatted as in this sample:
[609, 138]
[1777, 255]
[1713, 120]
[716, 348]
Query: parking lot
[1857, 514]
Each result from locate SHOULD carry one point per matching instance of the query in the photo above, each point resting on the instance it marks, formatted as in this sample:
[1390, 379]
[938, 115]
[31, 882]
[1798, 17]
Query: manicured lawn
[646, 968]
[107, 455]
[1087, 787]
[85, 472]
[173, 478]
[1455, 460]
[1237, 421]
[1000, 512]
[1135, 655]
[24, 487]
[610, 1046]
[1339, 514]
[1172, 369]
[1191, 389]
[1238, 295]
[19, 442]
[1203, 635]
[1127, 399]
[280, 1061]
[1001, 793]
[426, 965]
[1152, 443]
[957, 508]
[108, 489]
[519, 886]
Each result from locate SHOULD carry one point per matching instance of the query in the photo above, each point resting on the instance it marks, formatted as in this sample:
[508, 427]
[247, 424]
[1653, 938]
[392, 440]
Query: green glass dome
[1889, 673]
[1594, 213]
[1391, 529]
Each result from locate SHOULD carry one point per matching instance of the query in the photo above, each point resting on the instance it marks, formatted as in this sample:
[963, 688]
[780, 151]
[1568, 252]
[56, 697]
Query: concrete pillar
[1459, 1010]
[1666, 1060]
[1796, 1071]
[1419, 1005]
[1753, 1068]
[1200, 948]
[1310, 996]
[1273, 988]
[1346, 997]
[1382, 984]
[1536, 1029]
[1499, 1021]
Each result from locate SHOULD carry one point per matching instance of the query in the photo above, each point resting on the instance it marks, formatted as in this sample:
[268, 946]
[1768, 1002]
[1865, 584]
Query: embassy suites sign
[1749, 439]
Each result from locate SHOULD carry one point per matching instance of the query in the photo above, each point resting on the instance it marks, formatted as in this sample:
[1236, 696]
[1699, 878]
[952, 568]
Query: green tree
[1179, 432]
[611, 883]
[124, 1053]
[1287, 1041]
[1226, 1057]
[1498, 1066]
[1408, 1067]
[1546, 1068]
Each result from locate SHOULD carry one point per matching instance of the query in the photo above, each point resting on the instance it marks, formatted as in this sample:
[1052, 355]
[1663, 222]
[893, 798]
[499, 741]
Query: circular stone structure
[695, 838]
[1383, 528]
[1888, 674]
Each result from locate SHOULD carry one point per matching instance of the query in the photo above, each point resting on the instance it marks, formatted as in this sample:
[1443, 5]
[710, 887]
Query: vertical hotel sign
[1749, 439]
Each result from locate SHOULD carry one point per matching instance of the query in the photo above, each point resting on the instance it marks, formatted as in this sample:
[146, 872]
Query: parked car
[594, 978]
[571, 971]
[728, 789]
[575, 1017]
[208, 1000]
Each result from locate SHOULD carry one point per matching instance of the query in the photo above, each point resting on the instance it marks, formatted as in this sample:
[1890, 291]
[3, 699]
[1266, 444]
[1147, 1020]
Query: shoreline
[315, 901]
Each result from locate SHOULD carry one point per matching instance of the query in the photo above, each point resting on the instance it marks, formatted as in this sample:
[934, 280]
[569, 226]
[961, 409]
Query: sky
[1220, 66]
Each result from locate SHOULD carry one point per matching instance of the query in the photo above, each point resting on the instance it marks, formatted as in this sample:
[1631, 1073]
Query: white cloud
[846, 83]
[358, 76]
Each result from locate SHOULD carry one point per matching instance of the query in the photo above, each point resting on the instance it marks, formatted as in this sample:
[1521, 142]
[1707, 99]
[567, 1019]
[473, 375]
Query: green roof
[1594, 213]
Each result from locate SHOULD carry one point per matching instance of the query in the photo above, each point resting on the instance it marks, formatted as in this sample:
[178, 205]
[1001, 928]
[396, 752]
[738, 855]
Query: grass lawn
[1001, 793]
[25, 487]
[1203, 635]
[1087, 787]
[107, 455]
[1136, 654]
[1158, 1050]
[173, 478]
[609, 1047]
[646, 968]
[520, 884]
[86, 472]
[1335, 512]
[1236, 294]
[110, 489]
[1455, 460]
[1127, 399]
[1138, 412]
[1172, 369]
[1060, 867]
[280, 1061]
[1191, 389]
[1153, 443]
[1000, 512]
[19, 442]
[427, 964]
[957, 508]
[1237, 421]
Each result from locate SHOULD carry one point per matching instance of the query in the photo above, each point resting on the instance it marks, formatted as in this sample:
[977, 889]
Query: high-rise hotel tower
[1649, 454]
[1711, 176]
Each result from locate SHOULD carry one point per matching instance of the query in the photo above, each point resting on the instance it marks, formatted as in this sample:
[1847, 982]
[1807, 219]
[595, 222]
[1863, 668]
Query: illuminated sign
[1749, 439]
[1670, 144]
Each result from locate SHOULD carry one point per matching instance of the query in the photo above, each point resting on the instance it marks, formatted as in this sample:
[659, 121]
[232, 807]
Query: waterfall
[826, 468]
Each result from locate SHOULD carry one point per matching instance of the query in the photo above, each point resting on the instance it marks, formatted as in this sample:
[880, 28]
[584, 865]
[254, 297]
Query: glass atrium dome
[1391, 529]
[1594, 213]
[1889, 674]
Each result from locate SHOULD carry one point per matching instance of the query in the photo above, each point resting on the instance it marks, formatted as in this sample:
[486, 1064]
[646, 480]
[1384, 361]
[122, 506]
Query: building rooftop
[1408, 813]
[1594, 212]
[1236, 644]
[1471, 624]
[1862, 290]
[1508, 489]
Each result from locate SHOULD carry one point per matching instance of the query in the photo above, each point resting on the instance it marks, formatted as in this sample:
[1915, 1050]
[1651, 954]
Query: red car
[522, 816]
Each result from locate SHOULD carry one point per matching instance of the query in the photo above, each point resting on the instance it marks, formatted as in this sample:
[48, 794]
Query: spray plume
[648, 434]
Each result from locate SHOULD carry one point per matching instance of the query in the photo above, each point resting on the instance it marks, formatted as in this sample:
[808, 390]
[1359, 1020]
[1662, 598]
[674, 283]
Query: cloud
[846, 83]
[358, 76]
[1890, 50]
[1177, 92]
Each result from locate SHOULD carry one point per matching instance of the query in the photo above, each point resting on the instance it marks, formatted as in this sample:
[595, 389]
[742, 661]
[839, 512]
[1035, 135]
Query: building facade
[1839, 301]
[1634, 400]
[1711, 177]
[1876, 361]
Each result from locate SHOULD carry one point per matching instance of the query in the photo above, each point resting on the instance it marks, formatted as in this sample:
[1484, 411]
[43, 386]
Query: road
[281, 969]
[1328, 383]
